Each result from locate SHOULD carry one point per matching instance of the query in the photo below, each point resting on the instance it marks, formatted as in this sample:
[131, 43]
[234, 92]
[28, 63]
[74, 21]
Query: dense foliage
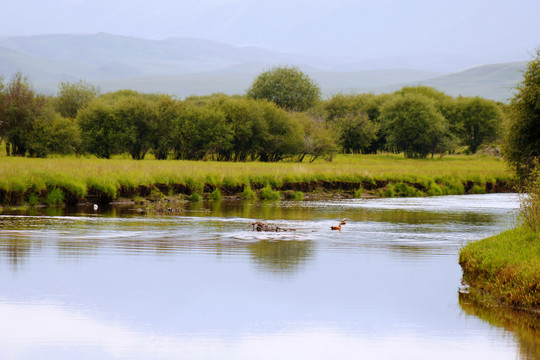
[417, 121]
[287, 87]
[522, 147]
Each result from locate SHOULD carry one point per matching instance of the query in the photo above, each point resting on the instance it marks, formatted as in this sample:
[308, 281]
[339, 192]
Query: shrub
[477, 189]
[195, 197]
[55, 197]
[267, 193]
[33, 199]
[358, 192]
[294, 195]
[248, 194]
[216, 195]
[529, 211]
[434, 189]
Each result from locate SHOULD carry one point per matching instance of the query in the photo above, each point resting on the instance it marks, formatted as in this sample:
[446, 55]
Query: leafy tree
[522, 145]
[285, 134]
[100, 131]
[53, 133]
[413, 125]
[168, 111]
[3, 120]
[480, 121]
[427, 91]
[201, 132]
[248, 126]
[319, 137]
[136, 115]
[72, 97]
[356, 132]
[286, 86]
[350, 109]
[21, 107]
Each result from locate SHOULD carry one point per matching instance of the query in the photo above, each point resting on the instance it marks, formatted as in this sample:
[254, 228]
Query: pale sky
[499, 30]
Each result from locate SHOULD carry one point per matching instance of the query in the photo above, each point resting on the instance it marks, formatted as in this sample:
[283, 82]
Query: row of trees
[281, 116]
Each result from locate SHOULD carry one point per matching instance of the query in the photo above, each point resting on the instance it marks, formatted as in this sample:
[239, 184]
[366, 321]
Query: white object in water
[95, 206]
[464, 288]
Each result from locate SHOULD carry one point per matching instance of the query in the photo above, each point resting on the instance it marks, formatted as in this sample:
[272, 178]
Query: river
[118, 283]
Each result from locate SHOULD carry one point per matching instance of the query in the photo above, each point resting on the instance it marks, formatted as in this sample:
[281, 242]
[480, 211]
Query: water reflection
[199, 284]
[281, 256]
[524, 325]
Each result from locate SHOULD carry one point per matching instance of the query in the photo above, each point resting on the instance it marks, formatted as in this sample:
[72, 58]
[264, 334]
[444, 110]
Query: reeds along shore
[77, 179]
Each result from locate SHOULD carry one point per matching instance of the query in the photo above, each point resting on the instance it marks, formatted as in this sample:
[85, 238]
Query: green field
[83, 178]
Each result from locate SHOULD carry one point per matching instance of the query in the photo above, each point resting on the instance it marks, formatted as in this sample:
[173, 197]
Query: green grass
[504, 269]
[80, 177]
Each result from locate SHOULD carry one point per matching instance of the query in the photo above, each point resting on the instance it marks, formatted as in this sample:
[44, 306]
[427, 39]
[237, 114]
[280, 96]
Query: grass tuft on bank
[504, 269]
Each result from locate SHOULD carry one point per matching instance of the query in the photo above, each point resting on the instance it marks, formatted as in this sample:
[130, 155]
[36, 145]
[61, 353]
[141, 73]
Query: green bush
[267, 193]
[358, 192]
[477, 189]
[195, 197]
[248, 194]
[529, 211]
[294, 195]
[55, 197]
[33, 199]
[434, 189]
[216, 195]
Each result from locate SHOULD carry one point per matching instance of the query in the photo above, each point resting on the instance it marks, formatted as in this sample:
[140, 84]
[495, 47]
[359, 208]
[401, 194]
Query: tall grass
[82, 176]
[505, 268]
[530, 205]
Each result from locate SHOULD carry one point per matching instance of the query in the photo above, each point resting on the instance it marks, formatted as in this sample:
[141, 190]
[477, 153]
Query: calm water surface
[199, 284]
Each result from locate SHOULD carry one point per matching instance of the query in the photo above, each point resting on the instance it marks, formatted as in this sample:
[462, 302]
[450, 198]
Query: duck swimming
[343, 222]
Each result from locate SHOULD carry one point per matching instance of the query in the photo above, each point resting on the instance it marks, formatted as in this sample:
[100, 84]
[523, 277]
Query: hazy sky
[498, 30]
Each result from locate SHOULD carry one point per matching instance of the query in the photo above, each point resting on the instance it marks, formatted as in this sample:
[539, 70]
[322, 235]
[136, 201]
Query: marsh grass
[529, 210]
[267, 193]
[80, 177]
[216, 195]
[504, 269]
[195, 197]
[54, 197]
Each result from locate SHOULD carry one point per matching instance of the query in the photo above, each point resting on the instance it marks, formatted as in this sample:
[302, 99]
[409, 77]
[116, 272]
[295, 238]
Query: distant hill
[495, 81]
[183, 67]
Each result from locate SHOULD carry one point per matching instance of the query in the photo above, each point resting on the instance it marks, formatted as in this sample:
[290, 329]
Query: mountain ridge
[192, 66]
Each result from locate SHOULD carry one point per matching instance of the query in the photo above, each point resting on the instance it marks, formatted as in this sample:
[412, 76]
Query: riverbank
[74, 180]
[504, 269]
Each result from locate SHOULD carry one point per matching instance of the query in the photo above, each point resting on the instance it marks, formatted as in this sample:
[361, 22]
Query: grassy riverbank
[73, 179]
[504, 269]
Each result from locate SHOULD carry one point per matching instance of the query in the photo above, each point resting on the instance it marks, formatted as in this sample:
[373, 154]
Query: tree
[286, 86]
[480, 121]
[200, 132]
[53, 133]
[356, 132]
[21, 107]
[136, 115]
[319, 137]
[413, 125]
[249, 128]
[285, 133]
[168, 111]
[72, 97]
[99, 129]
[522, 144]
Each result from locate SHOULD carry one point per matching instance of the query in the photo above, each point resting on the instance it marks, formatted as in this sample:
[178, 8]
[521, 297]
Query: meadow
[79, 179]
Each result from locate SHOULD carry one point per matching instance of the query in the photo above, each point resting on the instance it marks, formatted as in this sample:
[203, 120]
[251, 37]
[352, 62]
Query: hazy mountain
[186, 67]
[439, 35]
[495, 81]
[148, 57]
